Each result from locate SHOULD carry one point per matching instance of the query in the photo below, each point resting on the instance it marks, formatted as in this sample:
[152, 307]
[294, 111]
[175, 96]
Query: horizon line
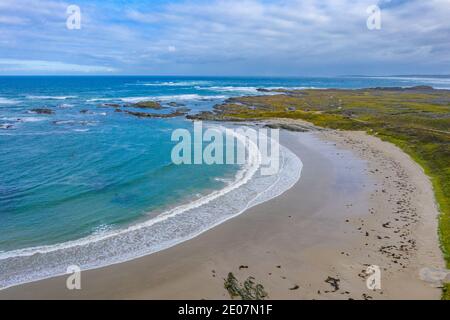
[224, 76]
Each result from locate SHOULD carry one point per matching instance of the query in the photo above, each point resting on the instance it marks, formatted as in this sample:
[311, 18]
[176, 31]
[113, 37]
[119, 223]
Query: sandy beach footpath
[359, 202]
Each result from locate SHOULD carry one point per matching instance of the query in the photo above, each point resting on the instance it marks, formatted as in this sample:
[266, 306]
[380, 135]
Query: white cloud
[11, 20]
[16, 65]
[233, 36]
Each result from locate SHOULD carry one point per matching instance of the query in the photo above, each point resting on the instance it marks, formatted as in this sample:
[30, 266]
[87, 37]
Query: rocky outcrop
[174, 114]
[155, 105]
[42, 111]
[415, 88]
[203, 115]
[113, 105]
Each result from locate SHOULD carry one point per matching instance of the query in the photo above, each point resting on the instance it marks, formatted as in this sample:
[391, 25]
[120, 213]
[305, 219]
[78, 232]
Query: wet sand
[359, 202]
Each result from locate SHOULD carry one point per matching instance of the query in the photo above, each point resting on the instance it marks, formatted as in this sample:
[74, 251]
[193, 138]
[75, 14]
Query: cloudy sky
[225, 37]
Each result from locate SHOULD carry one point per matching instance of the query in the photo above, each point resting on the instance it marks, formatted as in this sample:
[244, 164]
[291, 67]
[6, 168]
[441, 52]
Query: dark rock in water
[183, 110]
[175, 104]
[140, 114]
[426, 88]
[203, 115]
[84, 111]
[155, 105]
[42, 111]
[415, 88]
[174, 114]
[118, 110]
[386, 88]
[279, 90]
[114, 105]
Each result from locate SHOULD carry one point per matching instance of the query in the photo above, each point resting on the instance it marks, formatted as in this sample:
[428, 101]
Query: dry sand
[359, 202]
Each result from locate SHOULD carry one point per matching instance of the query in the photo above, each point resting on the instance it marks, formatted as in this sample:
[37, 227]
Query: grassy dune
[415, 119]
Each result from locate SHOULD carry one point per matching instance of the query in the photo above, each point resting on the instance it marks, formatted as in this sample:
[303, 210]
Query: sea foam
[8, 101]
[179, 97]
[31, 97]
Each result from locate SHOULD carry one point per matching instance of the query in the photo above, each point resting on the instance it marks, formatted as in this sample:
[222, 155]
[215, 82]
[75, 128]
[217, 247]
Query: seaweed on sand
[249, 290]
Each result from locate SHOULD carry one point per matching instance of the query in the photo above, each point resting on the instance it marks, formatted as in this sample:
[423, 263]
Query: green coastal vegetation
[415, 119]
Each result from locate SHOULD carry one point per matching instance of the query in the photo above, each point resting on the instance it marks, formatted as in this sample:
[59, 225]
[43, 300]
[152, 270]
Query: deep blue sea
[73, 175]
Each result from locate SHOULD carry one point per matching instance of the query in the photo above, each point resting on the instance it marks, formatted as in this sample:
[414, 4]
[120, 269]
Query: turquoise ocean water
[85, 170]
